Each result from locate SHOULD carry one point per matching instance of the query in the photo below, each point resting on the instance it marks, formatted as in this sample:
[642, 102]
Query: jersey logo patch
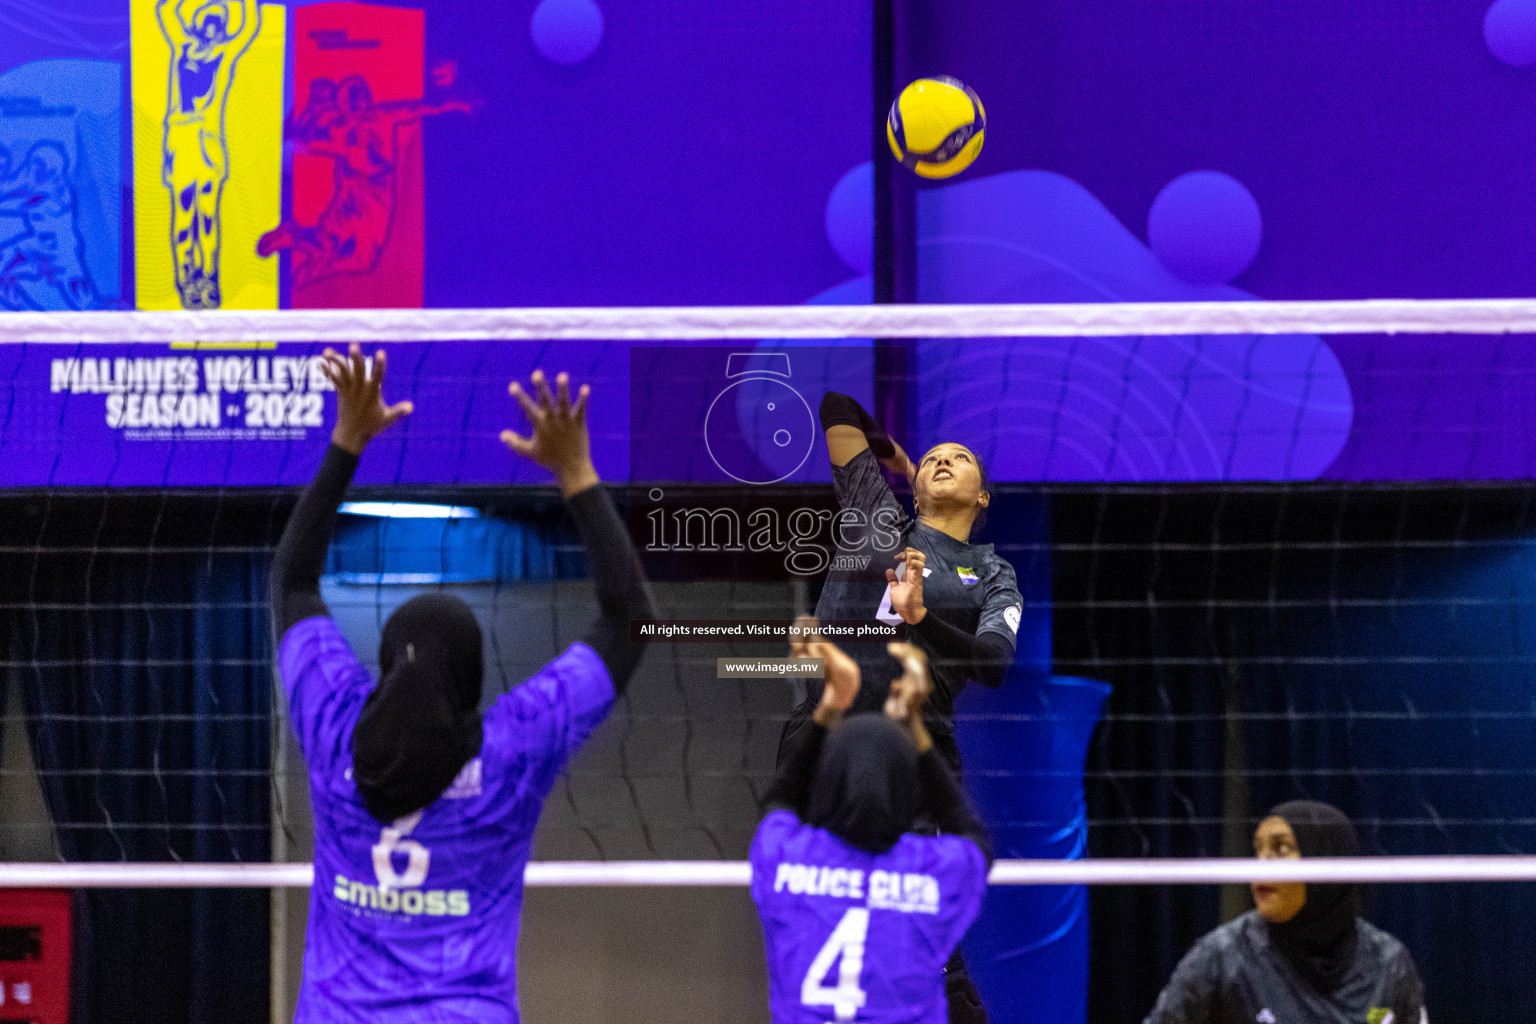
[967, 576]
[1265, 1017]
[1011, 616]
[1380, 1015]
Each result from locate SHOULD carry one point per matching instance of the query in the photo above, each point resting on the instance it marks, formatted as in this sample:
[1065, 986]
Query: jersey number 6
[846, 943]
[418, 857]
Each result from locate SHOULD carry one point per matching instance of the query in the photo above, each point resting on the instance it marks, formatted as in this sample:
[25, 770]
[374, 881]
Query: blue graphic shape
[1228, 407]
[1205, 227]
[566, 31]
[851, 218]
[61, 187]
[1509, 29]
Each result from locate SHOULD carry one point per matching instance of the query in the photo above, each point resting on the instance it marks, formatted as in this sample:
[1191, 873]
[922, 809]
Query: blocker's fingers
[398, 410]
[378, 367]
[912, 658]
[533, 412]
[579, 413]
[563, 393]
[541, 384]
[518, 443]
[336, 370]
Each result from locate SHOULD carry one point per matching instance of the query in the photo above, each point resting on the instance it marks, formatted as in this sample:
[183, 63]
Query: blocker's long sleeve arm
[952, 812]
[294, 585]
[622, 591]
[791, 788]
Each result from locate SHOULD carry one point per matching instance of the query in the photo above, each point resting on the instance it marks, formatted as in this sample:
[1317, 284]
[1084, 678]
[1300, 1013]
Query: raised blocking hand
[361, 412]
[558, 441]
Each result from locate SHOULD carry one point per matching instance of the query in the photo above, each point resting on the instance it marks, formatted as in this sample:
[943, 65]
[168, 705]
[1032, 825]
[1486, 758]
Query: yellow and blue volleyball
[936, 126]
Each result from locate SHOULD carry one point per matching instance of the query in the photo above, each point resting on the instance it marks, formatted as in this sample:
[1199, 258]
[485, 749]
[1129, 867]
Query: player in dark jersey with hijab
[1304, 955]
[960, 600]
[859, 911]
[424, 808]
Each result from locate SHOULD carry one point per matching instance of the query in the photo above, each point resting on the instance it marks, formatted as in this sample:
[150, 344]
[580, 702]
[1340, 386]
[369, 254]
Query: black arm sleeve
[951, 811]
[984, 657]
[838, 408]
[791, 787]
[622, 592]
[294, 585]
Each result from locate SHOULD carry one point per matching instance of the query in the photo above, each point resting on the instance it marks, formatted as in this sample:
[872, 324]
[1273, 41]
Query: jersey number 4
[885, 613]
[845, 946]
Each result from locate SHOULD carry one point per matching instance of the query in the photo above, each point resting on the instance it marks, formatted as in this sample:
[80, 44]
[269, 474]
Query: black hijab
[1320, 941]
[421, 723]
[865, 787]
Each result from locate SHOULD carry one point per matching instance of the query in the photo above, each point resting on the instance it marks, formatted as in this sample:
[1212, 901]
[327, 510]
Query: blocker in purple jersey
[861, 937]
[417, 920]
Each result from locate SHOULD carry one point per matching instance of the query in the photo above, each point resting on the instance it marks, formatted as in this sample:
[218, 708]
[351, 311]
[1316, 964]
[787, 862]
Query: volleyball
[936, 126]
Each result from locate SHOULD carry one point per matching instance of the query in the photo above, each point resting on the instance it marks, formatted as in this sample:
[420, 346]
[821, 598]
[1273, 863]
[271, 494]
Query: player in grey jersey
[1304, 955]
[960, 601]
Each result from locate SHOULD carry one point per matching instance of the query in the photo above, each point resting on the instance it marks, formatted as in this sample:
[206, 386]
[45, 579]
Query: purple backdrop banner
[147, 416]
[1037, 410]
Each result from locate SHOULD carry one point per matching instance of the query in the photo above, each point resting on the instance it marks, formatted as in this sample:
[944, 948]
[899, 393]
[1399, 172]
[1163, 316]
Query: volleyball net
[1293, 539]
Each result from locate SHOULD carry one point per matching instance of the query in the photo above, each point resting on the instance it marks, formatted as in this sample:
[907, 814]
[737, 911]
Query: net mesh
[1363, 643]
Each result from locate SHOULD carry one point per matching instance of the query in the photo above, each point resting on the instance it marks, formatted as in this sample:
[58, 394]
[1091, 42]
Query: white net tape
[1372, 316]
[1158, 871]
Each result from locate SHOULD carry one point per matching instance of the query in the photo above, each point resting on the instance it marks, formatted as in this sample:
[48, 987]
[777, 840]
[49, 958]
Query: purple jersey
[417, 921]
[855, 936]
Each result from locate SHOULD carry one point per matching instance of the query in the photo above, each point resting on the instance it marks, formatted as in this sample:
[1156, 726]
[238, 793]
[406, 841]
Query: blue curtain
[1024, 745]
[536, 546]
[136, 627]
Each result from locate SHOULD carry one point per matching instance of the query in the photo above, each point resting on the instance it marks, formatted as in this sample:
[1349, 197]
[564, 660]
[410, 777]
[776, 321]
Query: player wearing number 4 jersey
[860, 913]
[425, 809]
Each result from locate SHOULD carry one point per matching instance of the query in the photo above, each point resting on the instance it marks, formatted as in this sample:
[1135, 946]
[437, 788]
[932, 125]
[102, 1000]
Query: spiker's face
[949, 474]
[1277, 901]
